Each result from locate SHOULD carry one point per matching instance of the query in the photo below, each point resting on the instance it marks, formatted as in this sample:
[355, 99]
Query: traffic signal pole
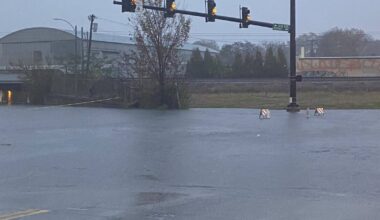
[293, 106]
[294, 78]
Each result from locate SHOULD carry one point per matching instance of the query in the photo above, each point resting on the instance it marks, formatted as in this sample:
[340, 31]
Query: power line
[116, 22]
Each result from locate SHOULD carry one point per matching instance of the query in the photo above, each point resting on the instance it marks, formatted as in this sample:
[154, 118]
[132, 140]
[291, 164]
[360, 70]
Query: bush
[177, 96]
[38, 85]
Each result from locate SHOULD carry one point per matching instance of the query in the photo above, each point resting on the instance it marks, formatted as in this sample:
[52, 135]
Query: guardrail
[263, 80]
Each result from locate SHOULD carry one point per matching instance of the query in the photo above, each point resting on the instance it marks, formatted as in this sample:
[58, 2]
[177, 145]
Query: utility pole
[82, 52]
[76, 60]
[293, 106]
[91, 18]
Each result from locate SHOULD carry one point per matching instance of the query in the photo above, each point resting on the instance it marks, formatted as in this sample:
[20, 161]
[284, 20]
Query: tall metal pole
[293, 106]
[92, 18]
[76, 60]
[82, 51]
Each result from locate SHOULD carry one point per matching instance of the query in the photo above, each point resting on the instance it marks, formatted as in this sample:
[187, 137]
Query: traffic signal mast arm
[192, 13]
[218, 17]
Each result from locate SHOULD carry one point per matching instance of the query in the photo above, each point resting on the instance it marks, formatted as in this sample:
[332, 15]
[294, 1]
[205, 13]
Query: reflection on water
[9, 97]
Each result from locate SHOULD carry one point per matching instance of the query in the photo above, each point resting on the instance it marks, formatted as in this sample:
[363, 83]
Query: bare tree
[343, 42]
[158, 40]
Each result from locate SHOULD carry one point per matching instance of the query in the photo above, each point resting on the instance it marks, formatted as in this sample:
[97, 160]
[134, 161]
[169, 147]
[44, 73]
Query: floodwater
[199, 164]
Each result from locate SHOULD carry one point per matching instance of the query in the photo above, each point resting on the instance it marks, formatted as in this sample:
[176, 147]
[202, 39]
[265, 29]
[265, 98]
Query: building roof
[45, 34]
[39, 34]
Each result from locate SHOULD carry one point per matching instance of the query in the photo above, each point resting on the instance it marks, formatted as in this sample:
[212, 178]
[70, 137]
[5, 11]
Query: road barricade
[320, 112]
[264, 114]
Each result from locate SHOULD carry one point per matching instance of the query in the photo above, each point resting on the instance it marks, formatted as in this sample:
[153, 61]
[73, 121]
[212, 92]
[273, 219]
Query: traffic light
[211, 11]
[127, 5]
[245, 17]
[170, 8]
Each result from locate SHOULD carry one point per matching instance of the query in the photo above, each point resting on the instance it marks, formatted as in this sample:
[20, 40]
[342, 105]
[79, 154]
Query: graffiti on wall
[339, 67]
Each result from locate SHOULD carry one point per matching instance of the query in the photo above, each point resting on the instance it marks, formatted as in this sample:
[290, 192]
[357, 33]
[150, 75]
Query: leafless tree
[343, 42]
[158, 40]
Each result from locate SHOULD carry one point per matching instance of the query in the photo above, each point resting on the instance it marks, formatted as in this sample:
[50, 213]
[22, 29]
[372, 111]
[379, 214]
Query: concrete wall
[339, 67]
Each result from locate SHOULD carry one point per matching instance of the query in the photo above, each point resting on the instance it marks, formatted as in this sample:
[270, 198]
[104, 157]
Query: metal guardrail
[341, 78]
[306, 79]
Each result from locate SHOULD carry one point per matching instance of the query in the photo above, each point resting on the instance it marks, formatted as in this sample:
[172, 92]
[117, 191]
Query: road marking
[21, 214]
[77, 209]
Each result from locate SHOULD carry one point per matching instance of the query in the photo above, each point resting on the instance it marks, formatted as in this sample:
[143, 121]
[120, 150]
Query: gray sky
[313, 16]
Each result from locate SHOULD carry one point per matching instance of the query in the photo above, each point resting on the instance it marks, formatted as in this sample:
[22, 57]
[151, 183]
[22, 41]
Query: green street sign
[281, 27]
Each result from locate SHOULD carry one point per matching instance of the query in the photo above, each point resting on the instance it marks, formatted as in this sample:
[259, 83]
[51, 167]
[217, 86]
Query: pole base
[293, 108]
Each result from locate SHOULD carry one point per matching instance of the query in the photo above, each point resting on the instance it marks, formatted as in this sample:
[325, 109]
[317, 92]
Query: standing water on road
[94, 163]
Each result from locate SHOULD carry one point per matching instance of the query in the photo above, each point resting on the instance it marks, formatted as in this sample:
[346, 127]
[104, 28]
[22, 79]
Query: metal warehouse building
[48, 46]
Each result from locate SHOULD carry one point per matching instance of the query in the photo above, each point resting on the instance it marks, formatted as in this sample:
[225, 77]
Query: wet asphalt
[198, 164]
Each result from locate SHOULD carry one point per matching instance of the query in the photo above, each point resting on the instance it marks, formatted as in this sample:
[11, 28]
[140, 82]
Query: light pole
[75, 29]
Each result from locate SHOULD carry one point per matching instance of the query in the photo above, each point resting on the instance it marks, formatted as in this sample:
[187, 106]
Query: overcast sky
[313, 16]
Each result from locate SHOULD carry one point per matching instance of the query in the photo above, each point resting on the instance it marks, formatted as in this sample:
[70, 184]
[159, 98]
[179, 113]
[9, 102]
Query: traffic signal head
[245, 17]
[211, 9]
[170, 8]
[127, 5]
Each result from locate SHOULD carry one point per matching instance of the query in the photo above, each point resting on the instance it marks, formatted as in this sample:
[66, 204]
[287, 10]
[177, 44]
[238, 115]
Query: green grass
[331, 100]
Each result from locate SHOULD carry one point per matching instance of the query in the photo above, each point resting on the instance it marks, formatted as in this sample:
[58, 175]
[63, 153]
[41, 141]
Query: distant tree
[372, 48]
[270, 64]
[209, 65]
[208, 43]
[258, 64]
[221, 69]
[195, 67]
[282, 64]
[343, 42]
[229, 51]
[227, 55]
[310, 42]
[238, 66]
[248, 66]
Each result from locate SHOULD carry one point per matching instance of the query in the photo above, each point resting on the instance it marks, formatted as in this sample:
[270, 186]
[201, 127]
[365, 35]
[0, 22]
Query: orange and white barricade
[319, 112]
[264, 114]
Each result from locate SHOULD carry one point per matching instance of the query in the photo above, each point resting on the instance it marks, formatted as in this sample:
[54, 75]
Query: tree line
[338, 42]
[233, 62]
[248, 60]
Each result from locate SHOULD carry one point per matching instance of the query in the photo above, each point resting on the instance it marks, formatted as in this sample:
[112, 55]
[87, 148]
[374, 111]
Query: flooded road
[200, 164]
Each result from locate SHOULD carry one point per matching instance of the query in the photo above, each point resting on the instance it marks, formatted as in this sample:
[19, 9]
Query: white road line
[21, 214]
